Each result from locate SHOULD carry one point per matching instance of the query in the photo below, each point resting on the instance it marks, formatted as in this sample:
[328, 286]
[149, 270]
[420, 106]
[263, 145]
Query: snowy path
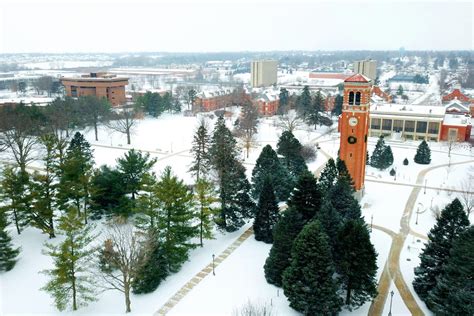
[392, 269]
[176, 298]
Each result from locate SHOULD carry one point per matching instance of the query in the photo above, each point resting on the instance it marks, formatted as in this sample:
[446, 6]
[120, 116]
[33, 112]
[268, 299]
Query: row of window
[405, 126]
[354, 98]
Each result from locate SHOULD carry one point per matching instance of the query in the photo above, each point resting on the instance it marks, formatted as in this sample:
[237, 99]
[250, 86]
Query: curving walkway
[392, 266]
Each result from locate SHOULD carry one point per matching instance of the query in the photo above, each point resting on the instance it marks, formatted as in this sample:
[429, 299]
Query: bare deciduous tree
[289, 121]
[124, 121]
[467, 194]
[254, 309]
[124, 253]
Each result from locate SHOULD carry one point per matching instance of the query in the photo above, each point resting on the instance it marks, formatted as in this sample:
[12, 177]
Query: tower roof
[357, 78]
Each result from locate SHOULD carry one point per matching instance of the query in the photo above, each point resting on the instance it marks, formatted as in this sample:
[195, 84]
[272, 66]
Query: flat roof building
[263, 73]
[98, 84]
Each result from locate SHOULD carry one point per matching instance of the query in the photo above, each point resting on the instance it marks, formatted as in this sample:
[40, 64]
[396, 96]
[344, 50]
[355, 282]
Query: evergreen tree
[303, 103]
[405, 162]
[205, 197]
[266, 214]
[388, 156]
[290, 148]
[337, 105]
[342, 199]
[236, 204]
[284, 233]
[16, 198]
[43, 188]
[108, 193]
[268, 165]
[423, 154]
[133, 166]
[233, 184]
[70, 283]
[454, 290]
[343, 173]
[317, 107]
[154, 267]
[284, 101]
[452, 221]
[328, 176]
[200, 151]
[331, 222]
[306, 197]
[176, 219]
[356, 263]
[382, 157]
[75, 174]
[400, 90]
[8, 254]
[308, 282]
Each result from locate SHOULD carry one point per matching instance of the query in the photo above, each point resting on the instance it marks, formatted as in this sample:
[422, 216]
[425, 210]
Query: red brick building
[457, 94]
[267, 103]
[97, 84]
[378, 92]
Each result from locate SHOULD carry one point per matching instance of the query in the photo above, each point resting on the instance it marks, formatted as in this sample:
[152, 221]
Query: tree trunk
[95, 131]
[128, 136]
[15, 218]
[73, 274]
[201, 225]
[348, 294]
[127, 297]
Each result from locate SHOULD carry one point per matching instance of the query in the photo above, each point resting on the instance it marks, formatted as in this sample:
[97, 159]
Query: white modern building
[367, 68]
[263, 73]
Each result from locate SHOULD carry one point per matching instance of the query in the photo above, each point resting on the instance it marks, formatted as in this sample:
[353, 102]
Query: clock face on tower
[353, 121]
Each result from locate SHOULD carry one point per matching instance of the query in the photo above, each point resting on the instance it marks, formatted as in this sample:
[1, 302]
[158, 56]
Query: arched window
[357, 100]
[351, 98]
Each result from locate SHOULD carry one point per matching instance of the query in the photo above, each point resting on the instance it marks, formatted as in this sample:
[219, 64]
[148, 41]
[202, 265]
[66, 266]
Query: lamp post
[213, 270]
[371, 221]
[391, 299]
[426, 180]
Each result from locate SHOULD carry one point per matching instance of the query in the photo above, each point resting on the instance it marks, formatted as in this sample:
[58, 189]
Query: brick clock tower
[354, 126]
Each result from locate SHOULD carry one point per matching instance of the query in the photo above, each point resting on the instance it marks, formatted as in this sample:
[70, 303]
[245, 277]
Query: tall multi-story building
[263, 73]
[98, 84]
[367, 68]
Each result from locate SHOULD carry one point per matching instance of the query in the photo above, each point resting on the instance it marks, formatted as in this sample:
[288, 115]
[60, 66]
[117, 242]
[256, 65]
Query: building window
[433, 128]
[375, 123]
[421, 127]
[74, 92]
[357, 98]
[409, 126]
[351, 98]
[397, 126]
[452, 134]
[387, 125]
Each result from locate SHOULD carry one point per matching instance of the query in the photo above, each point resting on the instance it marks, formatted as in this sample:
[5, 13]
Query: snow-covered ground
[240, 277]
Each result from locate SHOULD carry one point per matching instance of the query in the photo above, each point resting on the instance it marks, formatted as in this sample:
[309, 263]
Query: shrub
[308, 153]
[392, 172]
[405, 162]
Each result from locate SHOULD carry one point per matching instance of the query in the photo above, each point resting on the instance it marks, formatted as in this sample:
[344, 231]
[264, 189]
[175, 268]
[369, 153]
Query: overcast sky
[198, 26]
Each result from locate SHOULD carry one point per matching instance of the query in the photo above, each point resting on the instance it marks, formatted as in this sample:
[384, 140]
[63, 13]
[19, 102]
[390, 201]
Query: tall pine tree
[205, 196]
[454, 290]
[452, 221]
[306, 197]
[284, 233]
[70, 282]
[176, 219]
[308, 282]
[328, 176]
[266, 214]
[268, 165]
[382, 157]
[75, 174]
[8, 254]
[356, 263]
[303, 103]
[200, 150]
[290, 148]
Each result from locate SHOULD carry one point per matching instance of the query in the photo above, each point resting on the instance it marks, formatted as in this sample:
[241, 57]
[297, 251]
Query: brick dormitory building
[98, 84]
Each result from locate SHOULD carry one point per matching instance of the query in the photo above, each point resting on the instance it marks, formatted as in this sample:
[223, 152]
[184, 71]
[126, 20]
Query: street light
[426, 180]
[391, 299]
[371, 221]
[213, 270]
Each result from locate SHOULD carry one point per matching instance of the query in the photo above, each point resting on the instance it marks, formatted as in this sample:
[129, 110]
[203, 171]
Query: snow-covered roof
[456, 119]
[456, 106]
[406, 109]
